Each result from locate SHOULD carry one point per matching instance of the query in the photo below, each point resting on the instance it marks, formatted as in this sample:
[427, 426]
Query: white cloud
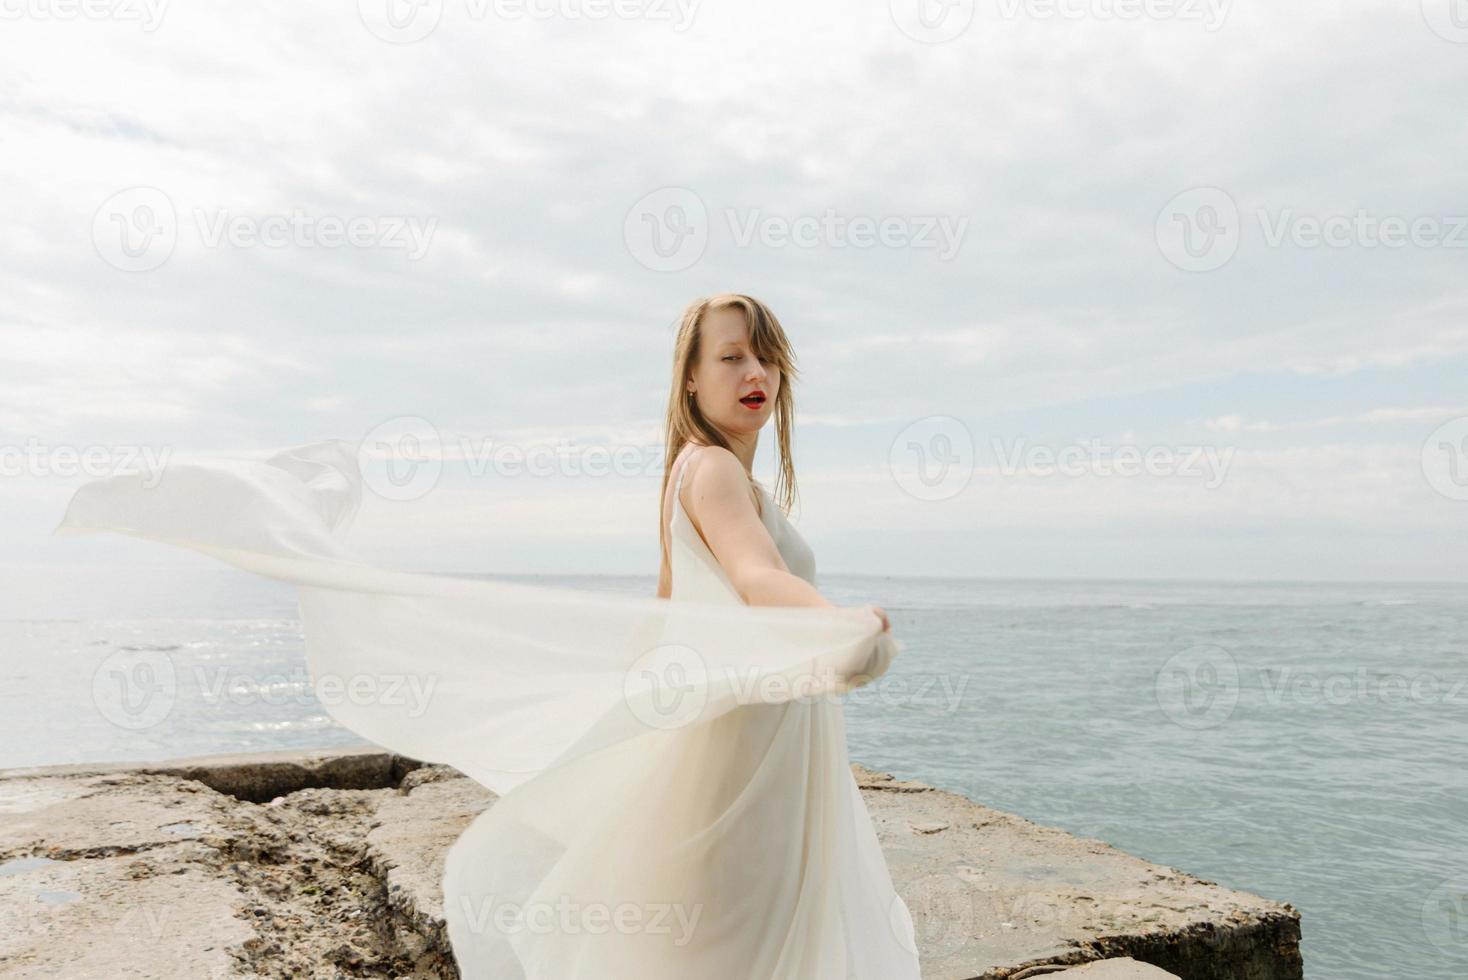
[527, 141]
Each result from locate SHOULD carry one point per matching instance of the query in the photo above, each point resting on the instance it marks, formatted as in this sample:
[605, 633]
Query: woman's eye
[732, 357]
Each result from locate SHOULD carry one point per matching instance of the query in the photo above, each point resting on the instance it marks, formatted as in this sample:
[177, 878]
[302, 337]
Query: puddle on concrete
[57, 898]
[17, 800]
[17, 866]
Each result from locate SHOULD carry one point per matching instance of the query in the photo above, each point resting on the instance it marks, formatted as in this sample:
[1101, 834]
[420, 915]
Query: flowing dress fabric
[675, 797]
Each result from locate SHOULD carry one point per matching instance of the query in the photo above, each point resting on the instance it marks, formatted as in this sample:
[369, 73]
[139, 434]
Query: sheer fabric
[675, 795]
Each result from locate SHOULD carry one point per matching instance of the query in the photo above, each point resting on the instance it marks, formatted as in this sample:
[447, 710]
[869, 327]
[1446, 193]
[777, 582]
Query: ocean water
[1307, 742]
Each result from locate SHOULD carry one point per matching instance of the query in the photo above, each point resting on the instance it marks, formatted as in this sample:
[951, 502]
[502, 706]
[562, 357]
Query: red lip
[758, 404]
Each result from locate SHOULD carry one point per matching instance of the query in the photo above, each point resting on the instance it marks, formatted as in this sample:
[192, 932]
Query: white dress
[675, 795]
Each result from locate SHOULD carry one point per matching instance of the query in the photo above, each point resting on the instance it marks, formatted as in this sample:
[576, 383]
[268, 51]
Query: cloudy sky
[1209, 255]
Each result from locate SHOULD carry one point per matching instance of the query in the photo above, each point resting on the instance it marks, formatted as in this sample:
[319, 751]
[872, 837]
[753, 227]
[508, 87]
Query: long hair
[684, 420]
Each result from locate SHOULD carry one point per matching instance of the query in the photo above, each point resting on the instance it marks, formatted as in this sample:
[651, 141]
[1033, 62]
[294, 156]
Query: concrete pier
[328, 864]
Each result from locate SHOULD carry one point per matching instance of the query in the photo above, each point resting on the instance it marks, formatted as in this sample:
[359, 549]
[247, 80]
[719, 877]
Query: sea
[1307, 742]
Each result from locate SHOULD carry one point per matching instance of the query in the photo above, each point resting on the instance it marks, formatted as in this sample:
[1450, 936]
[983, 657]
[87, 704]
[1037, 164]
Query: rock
[1120, 968]
[246, 868]
[994, 894]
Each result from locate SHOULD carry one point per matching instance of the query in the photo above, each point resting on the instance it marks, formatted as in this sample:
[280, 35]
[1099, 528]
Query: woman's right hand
[882, 615]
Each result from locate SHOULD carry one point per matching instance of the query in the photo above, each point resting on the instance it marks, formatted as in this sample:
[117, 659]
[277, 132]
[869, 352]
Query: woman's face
[728, 371]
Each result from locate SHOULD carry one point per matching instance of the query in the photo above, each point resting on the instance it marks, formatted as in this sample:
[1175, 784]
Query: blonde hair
[685, 421]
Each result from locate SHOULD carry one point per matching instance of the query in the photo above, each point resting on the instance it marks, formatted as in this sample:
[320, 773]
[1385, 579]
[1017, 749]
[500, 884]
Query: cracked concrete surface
[328, 864]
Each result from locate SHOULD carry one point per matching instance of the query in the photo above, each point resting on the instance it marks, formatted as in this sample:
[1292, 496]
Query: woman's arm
[718, 501]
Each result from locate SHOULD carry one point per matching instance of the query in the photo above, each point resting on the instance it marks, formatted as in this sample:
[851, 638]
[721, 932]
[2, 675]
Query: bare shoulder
[718, 477]
[724, 508]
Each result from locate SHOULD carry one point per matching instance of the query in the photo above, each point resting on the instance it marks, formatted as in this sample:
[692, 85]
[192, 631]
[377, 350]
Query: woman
[773, 780]
[674, 793]
[736, 367]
